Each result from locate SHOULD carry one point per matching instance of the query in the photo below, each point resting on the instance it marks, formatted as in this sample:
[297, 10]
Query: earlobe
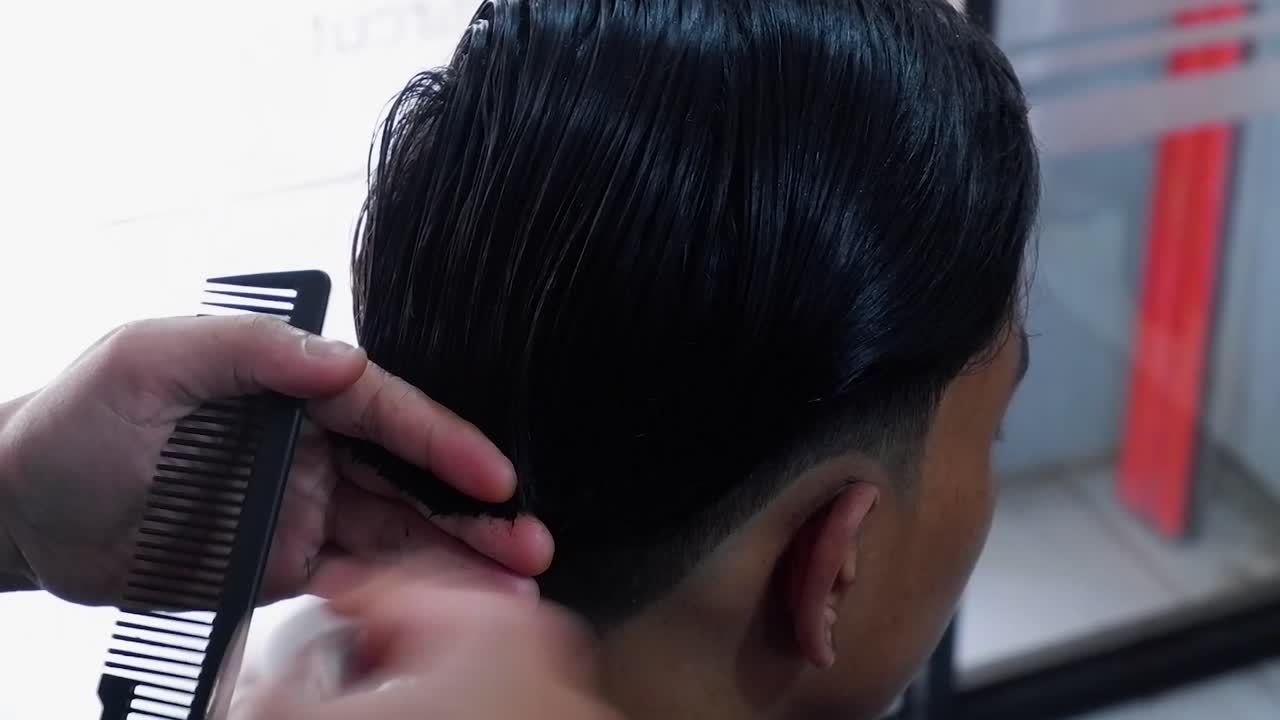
[821, 565]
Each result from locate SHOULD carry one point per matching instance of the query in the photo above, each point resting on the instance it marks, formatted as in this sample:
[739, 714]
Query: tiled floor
[1065, 561]
[1039, 580]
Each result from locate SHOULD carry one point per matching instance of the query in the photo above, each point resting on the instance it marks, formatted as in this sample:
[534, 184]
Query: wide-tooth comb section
[226, 299]
[202, 542]
[300, 298]
[161, 651]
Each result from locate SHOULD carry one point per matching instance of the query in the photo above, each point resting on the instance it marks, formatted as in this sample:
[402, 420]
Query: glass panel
[1139, 476]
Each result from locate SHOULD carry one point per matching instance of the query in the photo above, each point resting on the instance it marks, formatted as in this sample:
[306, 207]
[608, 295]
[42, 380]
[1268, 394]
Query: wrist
[14, 572]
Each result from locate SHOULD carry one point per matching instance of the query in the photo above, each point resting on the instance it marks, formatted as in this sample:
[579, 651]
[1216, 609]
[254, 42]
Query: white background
[145, 146]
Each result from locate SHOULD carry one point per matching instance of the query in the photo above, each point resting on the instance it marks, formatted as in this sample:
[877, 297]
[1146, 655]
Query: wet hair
[667, 254]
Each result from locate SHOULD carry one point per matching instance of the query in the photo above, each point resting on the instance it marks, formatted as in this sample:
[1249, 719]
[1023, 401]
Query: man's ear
[819, 567]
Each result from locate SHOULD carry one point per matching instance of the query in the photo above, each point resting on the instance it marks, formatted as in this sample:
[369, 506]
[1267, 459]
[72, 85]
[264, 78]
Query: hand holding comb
[202, 547]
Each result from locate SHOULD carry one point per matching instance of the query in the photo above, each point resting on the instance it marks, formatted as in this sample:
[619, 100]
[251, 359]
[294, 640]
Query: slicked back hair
[669, 253]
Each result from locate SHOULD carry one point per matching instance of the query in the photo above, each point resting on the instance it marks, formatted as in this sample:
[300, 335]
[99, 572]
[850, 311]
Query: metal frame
[1183, 649]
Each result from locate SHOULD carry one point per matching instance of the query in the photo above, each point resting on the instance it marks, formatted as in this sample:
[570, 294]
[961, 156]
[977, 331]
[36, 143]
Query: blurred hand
[76, 458]
[438, 649]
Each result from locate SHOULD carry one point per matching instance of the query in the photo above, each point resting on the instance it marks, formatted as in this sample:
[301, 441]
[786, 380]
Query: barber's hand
[76, 458]
[434, 649]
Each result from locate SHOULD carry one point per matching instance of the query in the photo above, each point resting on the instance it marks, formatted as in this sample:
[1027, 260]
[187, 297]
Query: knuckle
[255, 341]
[121, 371]
[263, 323]
[369, 422]
[122, 349]
[261, 328]
[127, 335]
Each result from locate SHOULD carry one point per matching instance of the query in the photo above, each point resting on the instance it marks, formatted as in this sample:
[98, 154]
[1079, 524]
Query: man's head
[734, 283]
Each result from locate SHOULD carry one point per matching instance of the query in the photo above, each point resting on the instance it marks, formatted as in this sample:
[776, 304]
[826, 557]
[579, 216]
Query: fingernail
[548, 540]
[501, 581]
[327, 348]
[523, 587]
[545, 543]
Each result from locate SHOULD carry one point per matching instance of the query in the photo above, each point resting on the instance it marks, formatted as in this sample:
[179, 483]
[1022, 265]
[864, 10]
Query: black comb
[202, 547]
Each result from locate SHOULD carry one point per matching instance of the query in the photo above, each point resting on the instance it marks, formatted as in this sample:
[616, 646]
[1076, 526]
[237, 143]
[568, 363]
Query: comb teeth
[181, 562]
[202, 544]
[156, 657]
[193, 509]
[224, 297]
[299, 298]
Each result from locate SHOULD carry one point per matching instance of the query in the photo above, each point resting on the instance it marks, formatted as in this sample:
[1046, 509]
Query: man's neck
[678, 663]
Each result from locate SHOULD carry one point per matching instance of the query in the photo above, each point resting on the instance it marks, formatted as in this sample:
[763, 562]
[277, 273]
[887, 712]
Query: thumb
[215, 357]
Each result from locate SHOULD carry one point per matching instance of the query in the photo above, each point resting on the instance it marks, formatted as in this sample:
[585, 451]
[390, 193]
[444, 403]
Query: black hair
[668, 253]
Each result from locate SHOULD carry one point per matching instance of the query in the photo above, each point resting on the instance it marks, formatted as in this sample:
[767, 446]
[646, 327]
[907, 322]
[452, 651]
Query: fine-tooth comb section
[204, 535]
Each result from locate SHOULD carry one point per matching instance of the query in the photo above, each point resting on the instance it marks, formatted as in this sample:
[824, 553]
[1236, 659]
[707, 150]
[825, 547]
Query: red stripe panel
[1156, 464]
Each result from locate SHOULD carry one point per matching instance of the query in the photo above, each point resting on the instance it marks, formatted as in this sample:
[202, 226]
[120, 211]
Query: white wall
[145, 145]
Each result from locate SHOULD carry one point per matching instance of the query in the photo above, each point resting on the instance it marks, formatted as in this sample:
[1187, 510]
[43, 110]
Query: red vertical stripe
[1156, 465]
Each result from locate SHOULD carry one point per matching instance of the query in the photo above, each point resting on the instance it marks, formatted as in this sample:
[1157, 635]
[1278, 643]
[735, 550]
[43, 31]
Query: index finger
[388, 411]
